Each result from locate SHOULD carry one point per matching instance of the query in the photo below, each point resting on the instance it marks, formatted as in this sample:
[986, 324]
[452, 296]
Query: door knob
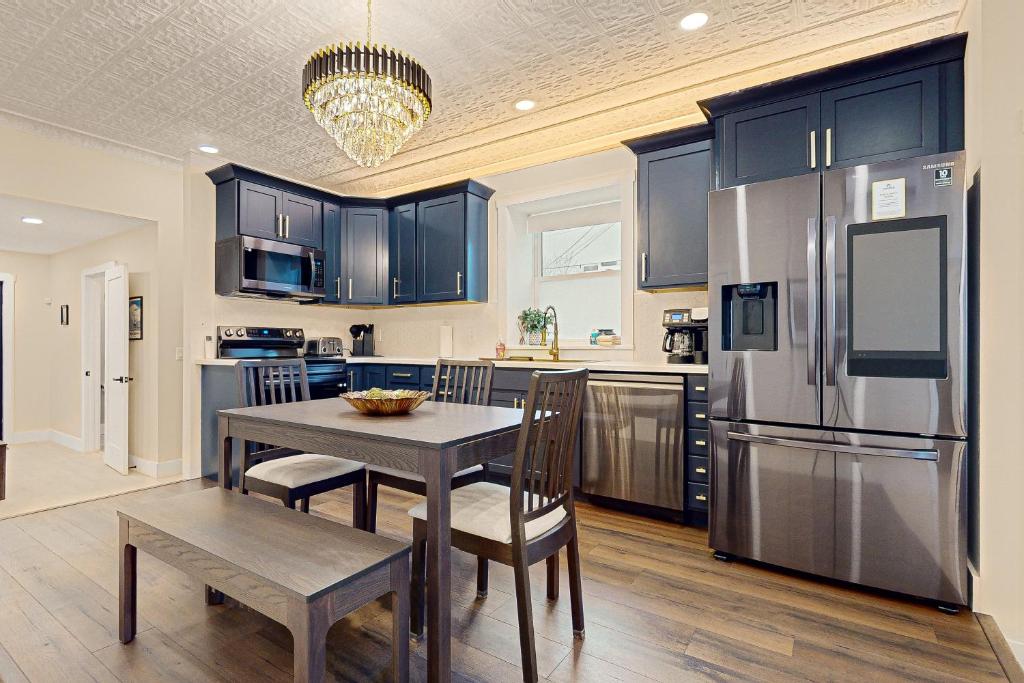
[123, 380]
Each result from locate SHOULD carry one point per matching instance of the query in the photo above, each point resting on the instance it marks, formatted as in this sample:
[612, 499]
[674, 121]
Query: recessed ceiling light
[692, 22]
[525, 105]
[31, 220]
[209, 149]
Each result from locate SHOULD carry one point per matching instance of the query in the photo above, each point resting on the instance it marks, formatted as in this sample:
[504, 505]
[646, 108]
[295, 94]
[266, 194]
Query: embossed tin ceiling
[166, 75]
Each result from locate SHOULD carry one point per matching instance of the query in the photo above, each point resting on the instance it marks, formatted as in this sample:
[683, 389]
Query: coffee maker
[686, 335]
[362, 339]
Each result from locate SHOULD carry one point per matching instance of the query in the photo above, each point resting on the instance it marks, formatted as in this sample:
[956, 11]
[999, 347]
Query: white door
[115, 380]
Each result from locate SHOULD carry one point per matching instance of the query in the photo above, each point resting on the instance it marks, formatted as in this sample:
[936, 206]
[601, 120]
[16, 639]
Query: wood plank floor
[657, 606]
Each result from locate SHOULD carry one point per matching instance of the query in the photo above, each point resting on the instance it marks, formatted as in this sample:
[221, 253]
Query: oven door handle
[912, 453]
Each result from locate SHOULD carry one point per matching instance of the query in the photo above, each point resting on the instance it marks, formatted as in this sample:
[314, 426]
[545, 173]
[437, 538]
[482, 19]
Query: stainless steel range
[838, 381]
[325, 371]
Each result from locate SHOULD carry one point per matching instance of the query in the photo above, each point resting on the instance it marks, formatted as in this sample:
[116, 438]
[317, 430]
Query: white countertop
[594, 365]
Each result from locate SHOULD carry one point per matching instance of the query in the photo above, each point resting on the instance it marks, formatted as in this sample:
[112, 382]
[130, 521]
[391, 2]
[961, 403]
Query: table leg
[437, 469]
[211, 595]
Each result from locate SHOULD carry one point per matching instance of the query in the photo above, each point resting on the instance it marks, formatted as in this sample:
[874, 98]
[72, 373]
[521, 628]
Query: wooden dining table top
[433, 425]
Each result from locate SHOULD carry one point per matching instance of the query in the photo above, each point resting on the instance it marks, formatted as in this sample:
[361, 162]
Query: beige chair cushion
[482, 509]
[417, 477]
[294, 471]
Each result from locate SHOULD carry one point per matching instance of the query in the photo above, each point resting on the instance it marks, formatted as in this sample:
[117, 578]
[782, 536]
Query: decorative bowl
[386, 401]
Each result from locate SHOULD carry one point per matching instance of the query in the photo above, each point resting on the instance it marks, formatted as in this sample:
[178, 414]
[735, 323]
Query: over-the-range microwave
[255, 267]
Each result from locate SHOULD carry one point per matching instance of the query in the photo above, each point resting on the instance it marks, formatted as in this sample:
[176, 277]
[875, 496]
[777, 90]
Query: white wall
[995, 144]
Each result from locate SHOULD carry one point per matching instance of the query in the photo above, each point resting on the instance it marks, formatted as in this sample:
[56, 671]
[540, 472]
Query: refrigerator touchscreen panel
[896, 303]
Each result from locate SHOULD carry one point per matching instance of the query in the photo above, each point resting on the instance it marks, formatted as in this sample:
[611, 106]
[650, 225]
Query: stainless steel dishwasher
[633, 438]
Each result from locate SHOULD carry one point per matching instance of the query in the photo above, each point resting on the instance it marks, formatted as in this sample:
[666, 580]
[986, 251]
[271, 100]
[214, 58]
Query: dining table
[436, 441]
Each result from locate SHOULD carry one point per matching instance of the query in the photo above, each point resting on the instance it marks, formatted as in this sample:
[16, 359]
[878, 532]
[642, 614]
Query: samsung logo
[944, 164]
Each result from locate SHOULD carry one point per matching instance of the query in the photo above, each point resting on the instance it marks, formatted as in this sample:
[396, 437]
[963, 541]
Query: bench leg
[127, 564]
[481, 577]
[371, 504]
[308, 624]
[418, 579]
[400, 620]
[359, 505]
[213, 596]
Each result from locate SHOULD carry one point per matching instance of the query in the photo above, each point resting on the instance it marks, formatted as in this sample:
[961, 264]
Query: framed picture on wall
[135, 318]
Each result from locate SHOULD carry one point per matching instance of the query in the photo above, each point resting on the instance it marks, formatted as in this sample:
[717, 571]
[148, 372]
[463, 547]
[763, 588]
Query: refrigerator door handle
[912, 453]
[812, 301]
[830, 269]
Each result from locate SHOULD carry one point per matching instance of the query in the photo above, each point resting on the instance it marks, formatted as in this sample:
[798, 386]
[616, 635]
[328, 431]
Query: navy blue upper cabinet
[365, 255]
[259, 210]
[255, 204]
[772, 141]
[885, 118]
[402, 255]
[441, 248]
[333, 253]
[302, 220]
[895, 105]
[672, 208]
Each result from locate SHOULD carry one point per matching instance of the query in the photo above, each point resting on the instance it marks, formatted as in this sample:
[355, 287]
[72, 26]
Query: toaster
[324, 346]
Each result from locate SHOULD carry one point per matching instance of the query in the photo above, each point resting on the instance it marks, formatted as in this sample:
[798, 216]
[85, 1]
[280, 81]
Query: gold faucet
[553, 351]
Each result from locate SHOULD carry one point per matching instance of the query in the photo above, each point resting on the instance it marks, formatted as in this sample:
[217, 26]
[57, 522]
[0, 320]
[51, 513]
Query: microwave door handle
[812, 301]
[830, 268]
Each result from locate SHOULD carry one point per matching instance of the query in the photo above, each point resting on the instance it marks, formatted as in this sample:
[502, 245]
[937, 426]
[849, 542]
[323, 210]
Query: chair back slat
[462, 381]
[271, 381]
[542, 467]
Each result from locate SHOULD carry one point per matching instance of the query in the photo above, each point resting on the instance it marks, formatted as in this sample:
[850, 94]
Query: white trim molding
[53, 435]
[152, 468]
[7, 281]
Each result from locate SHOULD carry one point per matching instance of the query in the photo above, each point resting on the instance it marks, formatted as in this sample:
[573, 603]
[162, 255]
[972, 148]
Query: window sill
[572, 346]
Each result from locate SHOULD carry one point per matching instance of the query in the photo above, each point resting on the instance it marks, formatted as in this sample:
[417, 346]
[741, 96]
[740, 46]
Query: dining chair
[455, 381]
[284, 473]
[529, 521]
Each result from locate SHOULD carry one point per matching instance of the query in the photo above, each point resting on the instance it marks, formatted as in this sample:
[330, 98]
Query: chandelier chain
[368, 15]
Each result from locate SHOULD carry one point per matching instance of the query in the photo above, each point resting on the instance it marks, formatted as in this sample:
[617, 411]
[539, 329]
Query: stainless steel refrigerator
[838, 374]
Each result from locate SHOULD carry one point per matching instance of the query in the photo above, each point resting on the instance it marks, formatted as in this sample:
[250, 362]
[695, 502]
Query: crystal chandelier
[369, 99]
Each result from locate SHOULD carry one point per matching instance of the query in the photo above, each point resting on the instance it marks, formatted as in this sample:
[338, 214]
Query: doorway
[105, 379]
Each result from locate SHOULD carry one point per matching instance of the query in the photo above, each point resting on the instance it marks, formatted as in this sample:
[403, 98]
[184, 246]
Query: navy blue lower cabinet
[356, 377]
[374, 377]
[403, 377]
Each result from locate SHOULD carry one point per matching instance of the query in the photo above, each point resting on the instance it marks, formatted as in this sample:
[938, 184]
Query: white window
[572, 250]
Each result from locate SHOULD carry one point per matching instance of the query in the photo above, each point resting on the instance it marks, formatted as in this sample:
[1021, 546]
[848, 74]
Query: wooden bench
[300, 570]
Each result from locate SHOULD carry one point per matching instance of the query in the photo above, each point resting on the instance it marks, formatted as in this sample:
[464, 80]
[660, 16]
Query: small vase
[534, 338]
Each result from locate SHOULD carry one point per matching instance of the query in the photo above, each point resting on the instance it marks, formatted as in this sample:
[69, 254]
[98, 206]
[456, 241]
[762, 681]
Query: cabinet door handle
[700, 416]
[337, 288]
[287, 226]
[700, 388]
[814, 149]
[278, 229]
[458, 283]
[350, 289]
[394, 287]
[700, 442]
[701, 470]
[701, 497]
[515, 403]
[643, 267]
[401, 374]
[828, 147]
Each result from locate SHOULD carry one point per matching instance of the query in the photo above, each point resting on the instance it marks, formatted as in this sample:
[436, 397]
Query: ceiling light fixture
[208, 149]
[692, 22]
[31, 220]
[525, 105]
[371, 100]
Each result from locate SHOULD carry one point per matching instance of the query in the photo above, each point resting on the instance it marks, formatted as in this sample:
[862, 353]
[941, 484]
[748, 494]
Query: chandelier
[369, 99]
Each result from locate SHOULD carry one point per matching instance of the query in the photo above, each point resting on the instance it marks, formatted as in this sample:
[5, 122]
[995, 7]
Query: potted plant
[533, 322]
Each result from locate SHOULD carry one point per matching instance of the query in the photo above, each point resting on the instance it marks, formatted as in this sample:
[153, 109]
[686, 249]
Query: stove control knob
[229, 333]
[240, 332]
[298, 333]
[287, 333]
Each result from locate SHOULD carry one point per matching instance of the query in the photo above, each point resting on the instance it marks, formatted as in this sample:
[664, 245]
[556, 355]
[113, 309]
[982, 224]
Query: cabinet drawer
[511, 380]
[697, 469]
[697, 387]
[403, 374]
[427, 376]
[697, 496]
[507, 399]
[696, 442]
[697, 415]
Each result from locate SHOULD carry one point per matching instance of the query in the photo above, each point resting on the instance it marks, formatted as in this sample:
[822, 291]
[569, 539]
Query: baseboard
[66, 440]
[152, 468]
[1010, 653]
[56, 436]
[1018, 650]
